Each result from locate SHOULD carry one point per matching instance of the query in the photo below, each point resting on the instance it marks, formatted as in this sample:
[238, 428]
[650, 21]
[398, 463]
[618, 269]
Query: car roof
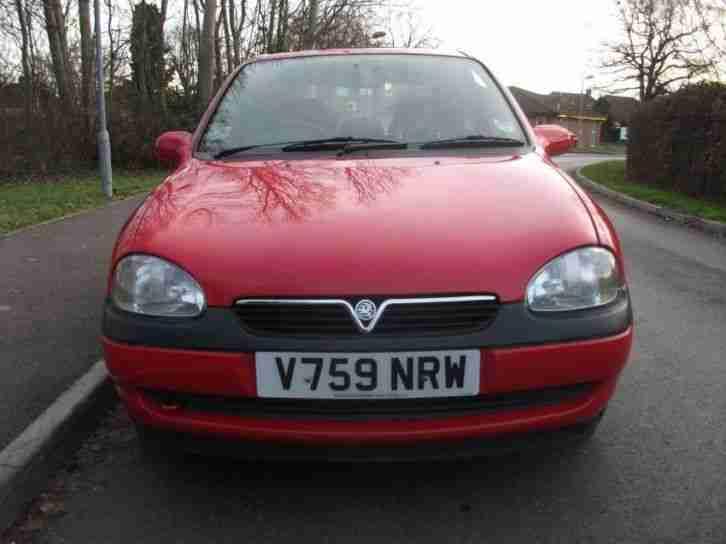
[360, 51]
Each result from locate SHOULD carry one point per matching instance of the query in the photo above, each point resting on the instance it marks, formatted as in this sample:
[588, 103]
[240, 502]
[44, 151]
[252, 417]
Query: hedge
[678, 142]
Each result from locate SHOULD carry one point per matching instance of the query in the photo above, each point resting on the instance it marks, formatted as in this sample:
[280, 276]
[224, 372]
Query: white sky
[540, 45]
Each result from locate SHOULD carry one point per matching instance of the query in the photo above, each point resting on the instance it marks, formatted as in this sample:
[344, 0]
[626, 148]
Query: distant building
[535, 106]
[573, 111]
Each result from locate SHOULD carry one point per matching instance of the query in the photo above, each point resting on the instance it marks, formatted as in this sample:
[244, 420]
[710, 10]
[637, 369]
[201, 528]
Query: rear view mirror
[174, 148]
[555, 139]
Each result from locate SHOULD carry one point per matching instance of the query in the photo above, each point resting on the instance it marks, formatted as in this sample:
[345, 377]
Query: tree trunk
[162, 76]
[84, 19]
[25, 58]
[282, 18]
[55, 27]
[236, 28]
[111, 57]
[311, 24]
[183, 68]
[269, 48]
[227, 40]
[218, 66]
[142, 59]
[206, 54]
[33, 49]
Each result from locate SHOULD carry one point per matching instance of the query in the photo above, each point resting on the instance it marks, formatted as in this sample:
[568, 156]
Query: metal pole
[579, 121]
[104, 140]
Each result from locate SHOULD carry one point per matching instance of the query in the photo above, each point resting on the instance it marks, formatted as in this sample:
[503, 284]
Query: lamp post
[582, 105]
[104, 140]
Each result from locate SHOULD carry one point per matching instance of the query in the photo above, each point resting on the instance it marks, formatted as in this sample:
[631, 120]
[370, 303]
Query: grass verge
[24, 203]
[611, 174]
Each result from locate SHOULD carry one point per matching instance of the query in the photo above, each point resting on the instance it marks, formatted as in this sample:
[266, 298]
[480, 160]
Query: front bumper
[139, 369]
[220, 330]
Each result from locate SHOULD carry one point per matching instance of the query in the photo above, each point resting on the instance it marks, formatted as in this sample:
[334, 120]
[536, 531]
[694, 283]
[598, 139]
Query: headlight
[580, 279]
[149, 285]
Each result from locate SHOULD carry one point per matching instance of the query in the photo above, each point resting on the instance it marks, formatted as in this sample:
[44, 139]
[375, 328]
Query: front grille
[345, 409]
[293, 319]
[440, 318]
[325, 317]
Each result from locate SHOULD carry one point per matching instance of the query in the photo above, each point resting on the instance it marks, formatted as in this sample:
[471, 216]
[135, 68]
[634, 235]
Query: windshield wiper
[323, 144]
[352, 148]
[473, 140]
[333, 143]
[235, 150]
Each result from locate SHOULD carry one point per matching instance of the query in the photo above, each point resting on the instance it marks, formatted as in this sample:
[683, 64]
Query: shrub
[678, 142]
[57, 141]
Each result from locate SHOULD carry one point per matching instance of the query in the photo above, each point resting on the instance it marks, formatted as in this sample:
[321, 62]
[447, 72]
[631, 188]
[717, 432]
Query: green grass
[612, 175]
[24, 203]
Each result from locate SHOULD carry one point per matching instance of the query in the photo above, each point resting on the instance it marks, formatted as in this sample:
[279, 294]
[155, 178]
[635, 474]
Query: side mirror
[555, 139]
[174, 148]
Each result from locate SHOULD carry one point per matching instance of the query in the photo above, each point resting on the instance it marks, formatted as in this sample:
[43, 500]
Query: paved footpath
[52, 280]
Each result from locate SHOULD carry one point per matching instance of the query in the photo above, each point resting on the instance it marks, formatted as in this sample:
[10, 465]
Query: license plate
[417, 374]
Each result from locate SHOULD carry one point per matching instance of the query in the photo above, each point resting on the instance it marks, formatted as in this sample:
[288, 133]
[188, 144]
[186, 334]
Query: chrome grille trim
[379, 312]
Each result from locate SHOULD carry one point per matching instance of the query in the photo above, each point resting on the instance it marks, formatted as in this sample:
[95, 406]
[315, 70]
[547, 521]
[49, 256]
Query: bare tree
[227, 36]
[162, 77]
[311, 19]
[118, 32]
[236, 24]
[660, 49]
[84, 23]
[25, 59]
[184, 56]
[283, 19]
[206, 53]
[218, 65]
[55, 25]
[712, 17]
[406, 28]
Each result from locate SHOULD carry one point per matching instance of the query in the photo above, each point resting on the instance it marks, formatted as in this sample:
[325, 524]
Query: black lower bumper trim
[536, 442]
[219, 329]
[366, 410]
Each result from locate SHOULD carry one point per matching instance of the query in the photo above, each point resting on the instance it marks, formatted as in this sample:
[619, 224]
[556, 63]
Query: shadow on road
[112, 483]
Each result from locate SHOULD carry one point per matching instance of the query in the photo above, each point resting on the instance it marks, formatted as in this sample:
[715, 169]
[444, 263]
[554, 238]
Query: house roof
[621, 107]
[572, 103]
[532, 104]
[556, 104]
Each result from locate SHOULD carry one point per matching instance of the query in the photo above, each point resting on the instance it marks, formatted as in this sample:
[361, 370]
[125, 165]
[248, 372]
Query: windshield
[406, 98]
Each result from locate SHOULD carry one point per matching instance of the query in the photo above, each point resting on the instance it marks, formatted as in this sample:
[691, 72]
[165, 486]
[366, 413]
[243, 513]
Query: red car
[365, 253]
[558, 138]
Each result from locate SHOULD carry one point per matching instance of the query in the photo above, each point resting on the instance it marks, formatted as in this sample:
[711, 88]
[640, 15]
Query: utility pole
[582, 108]
[104, 140]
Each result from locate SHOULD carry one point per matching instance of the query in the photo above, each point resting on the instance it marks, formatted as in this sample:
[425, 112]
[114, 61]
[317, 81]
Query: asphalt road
[654, 472]
[52, 280]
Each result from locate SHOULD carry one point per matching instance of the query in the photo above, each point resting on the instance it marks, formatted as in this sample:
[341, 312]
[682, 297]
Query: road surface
[52, 284]
[654, 472]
